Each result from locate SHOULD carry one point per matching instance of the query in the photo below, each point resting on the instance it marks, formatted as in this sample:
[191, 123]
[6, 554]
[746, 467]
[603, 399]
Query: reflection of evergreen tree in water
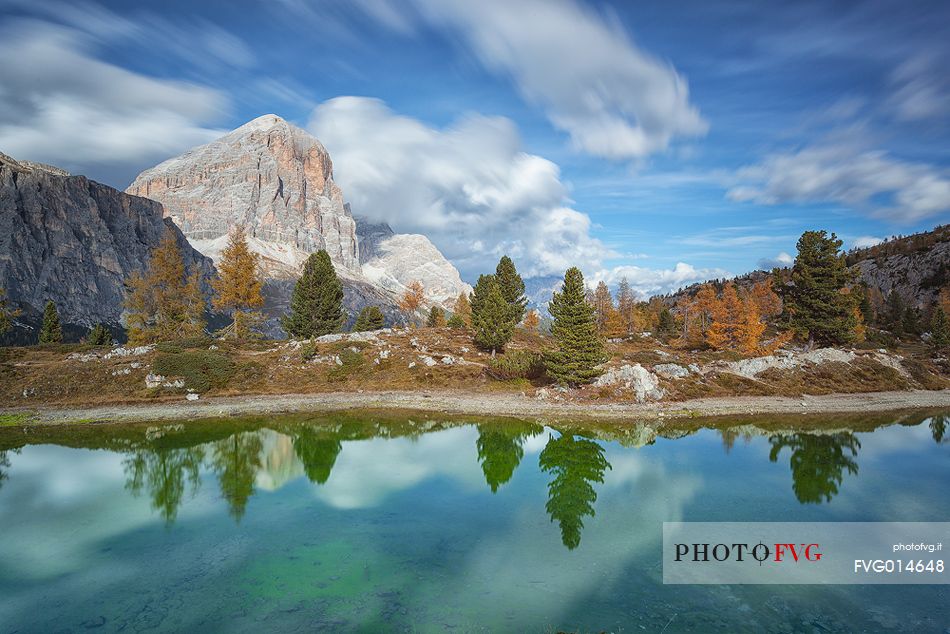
[163, 472]
[4, 464]
[500, 451]
[317, 451]
[938, 428]
[818, 463]
[575, 463]
[236, 461]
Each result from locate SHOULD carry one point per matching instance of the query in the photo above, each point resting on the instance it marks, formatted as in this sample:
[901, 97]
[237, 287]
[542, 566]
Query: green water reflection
[386, 522]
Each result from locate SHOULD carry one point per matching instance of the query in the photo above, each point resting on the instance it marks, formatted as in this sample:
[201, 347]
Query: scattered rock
[644, 383]
[122, 371]
[153, 380]
[750, 368]
[28, 392]
[671, 371]
[191, 396]
[412, 364]
[122, 351]
[429, 361]
[212, 347]
[448, 360]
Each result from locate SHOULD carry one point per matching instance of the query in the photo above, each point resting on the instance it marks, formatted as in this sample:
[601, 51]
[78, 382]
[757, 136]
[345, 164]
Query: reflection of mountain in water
[818, 463]
[279, 462]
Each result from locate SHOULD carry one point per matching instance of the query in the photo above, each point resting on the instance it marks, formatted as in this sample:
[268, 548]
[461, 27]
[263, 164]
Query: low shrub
[308, 351]
[517, 364]
[201, 370]
[350, 363]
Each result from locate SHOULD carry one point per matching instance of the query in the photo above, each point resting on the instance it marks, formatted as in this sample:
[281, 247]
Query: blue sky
[662, 141]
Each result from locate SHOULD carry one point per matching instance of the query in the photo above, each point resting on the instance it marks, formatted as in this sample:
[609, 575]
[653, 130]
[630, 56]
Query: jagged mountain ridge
[276, 180]
[74, 241]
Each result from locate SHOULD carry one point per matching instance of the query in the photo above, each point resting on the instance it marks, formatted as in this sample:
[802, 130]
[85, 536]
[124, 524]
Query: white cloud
[647, 282]
[469, 187]
[60, 105]
[866, 241]
[781, 260]
[921, 89]
[614, 99]
[846, 173]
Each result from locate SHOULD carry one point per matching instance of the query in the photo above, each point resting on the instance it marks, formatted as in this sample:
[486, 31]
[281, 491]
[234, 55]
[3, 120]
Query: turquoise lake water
[387, 524]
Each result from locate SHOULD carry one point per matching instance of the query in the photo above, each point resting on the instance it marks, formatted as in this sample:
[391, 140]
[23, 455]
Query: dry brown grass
[47, 376]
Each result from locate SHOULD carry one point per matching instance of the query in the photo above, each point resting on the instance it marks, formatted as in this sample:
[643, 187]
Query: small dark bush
[308, 351]
[517, 364]
[351, 362]
[168, 347]
[201, 371]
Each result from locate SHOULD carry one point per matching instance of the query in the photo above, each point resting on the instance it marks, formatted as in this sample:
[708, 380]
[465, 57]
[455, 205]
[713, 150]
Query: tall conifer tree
[491, 315]
[238, 285]
[51, 331]
[579, 348]
[163, 304]
[815, 304]
[316, 306]
[512, 288]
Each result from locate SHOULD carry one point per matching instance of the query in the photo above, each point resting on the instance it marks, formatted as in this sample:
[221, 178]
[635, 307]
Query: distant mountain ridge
[917, 267]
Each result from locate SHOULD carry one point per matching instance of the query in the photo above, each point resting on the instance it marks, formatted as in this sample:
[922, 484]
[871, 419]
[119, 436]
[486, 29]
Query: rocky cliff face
[917, 267]
[268, 175]
[74, 241]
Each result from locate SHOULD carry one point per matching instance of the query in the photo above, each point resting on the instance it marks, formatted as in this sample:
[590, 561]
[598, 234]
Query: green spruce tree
[895, 313]
[455, 321]
[512, 288]
[316, 306]
[99, 335]
[814, 303]
[491, 315]
[939, 328]
[51, 331]
[910, 321]
[370, 318]
[579, 347]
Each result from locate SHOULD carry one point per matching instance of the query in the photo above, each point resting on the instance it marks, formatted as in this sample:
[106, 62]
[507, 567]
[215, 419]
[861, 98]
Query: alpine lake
[410, 522]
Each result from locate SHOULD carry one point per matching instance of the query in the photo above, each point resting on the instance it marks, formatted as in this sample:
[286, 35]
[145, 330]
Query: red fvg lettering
[797, 550]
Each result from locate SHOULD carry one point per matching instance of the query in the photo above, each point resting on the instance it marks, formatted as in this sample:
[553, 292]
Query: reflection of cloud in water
[367, 471]
[531, 573]
[81, 495]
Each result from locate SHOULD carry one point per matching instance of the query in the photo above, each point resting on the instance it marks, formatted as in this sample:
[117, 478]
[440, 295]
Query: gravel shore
[488, 405]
